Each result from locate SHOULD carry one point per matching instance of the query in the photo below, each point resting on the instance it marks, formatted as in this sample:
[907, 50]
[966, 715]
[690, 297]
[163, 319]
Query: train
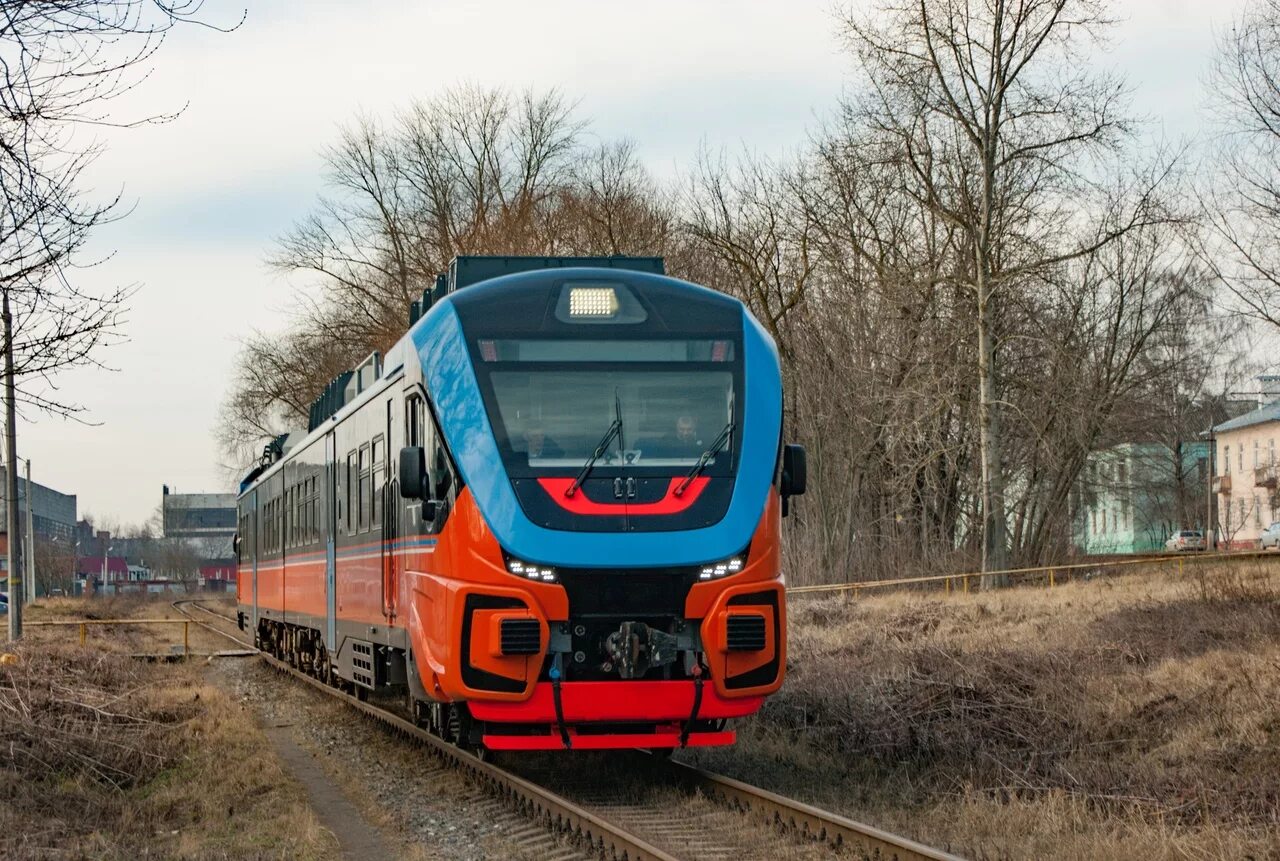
[548, 518]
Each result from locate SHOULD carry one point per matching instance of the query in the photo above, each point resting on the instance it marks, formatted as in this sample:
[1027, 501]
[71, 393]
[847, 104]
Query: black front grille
[746, 633]
[634, 594]
[520, 636]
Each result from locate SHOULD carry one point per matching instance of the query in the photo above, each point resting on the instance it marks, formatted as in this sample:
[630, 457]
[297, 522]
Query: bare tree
[1244, 197]
[991, 108]
[64, 63]
[752, 235]
[472, 171]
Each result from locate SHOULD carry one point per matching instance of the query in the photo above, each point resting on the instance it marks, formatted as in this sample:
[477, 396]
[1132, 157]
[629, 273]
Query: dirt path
[382, 797]
[360, 841]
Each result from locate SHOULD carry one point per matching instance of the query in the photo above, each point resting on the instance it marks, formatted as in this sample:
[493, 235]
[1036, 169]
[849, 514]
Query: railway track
[630, 818]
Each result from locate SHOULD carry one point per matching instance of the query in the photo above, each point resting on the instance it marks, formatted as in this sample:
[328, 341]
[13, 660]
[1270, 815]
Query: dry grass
[106, 757]
[140, 639]
[1125, 717]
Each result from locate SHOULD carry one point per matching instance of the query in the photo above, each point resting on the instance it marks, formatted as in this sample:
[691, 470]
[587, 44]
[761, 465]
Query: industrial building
[53, 513]
[207, 516]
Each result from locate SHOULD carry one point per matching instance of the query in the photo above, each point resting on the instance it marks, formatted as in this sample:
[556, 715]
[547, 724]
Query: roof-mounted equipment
[473, 269]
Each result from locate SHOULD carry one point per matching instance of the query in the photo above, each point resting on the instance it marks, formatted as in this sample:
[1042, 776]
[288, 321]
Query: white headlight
[592, 302]
[721, 569]
[542, 573]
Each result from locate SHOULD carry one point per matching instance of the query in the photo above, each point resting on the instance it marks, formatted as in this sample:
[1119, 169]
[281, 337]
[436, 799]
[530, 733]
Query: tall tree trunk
[995, 556]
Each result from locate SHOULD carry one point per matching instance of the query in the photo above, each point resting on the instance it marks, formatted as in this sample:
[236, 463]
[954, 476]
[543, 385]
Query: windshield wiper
[615, 430]
[707, 456]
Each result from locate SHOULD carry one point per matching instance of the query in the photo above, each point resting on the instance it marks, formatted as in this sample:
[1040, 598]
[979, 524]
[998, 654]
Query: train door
[252, 549]
[387, 501]
[330, 536]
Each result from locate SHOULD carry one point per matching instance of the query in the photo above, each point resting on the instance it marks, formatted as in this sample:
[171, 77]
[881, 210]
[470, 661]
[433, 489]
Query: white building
[1247, 471]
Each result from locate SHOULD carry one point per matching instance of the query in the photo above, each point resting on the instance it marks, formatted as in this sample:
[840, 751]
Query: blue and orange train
[549, 518]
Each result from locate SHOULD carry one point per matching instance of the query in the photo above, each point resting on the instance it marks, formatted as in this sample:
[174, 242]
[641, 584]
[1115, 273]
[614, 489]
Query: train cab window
[551, 401]
[362, 504]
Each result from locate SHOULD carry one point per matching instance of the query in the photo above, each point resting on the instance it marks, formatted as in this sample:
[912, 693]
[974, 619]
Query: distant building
[218, 576]
[92, 568]
[53, 513]
[1246, 483]
[1134, 496]
[209, 516]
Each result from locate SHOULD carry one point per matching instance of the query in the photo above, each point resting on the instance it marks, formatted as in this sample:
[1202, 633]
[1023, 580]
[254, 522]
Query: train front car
[611, 574]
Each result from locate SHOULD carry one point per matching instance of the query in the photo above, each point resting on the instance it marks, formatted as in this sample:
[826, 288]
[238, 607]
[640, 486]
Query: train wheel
[320, 665]
[452, 729]
[465, 731]
[435, 718]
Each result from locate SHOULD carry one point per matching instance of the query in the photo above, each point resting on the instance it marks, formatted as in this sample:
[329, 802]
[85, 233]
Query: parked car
[1270, 536]
[1186, 539]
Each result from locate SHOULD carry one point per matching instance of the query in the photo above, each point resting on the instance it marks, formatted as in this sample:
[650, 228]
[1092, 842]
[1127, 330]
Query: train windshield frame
[552, 401]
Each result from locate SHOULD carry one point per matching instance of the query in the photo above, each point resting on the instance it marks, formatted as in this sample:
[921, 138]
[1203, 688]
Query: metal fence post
[186, 640]
[84, 631]
[1051, 579]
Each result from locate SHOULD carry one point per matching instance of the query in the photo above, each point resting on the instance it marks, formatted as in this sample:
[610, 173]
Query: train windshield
[553, 402]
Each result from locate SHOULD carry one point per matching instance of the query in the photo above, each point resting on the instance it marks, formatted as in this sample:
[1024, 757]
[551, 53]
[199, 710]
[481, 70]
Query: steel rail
[564, 815]
[817, 824]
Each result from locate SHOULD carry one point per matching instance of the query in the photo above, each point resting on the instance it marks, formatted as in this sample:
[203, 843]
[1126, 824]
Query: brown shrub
[78, 730]
[1143, 703]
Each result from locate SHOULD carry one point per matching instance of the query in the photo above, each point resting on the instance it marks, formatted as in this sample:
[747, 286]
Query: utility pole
[13, 555]
[31, 540]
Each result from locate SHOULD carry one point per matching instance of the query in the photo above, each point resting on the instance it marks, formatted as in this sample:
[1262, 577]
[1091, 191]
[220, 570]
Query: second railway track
[660, 810]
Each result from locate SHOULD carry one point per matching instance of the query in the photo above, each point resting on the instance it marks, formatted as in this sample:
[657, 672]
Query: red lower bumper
[665, 705]
[606, 742]
[585, 702]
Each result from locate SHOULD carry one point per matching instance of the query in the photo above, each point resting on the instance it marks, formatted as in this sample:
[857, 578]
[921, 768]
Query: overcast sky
[215, 188]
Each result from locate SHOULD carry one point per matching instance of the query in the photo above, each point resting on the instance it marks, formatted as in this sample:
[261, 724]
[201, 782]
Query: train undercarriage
[660, 714]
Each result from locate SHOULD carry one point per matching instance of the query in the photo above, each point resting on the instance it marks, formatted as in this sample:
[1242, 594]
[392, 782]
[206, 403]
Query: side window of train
[338, 490]
[312, 511]
[362, 505]
[440, 471]
[348, 482]
[413, 420]
[377, 456]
